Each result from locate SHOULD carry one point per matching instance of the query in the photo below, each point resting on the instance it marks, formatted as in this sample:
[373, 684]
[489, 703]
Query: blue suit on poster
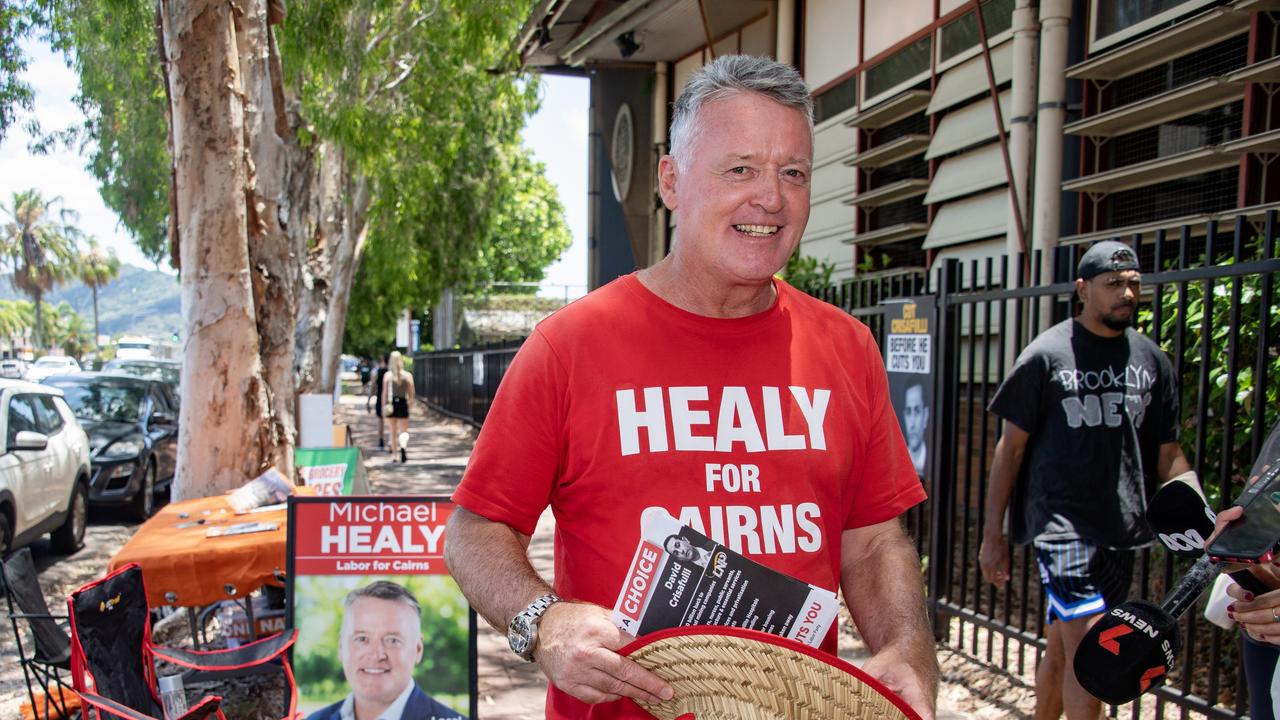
[420, 706]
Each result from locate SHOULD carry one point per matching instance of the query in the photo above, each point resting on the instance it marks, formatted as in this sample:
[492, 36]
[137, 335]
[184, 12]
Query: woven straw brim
[720, 677]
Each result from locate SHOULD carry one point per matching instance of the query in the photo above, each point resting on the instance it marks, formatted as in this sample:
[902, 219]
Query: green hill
[139, 302]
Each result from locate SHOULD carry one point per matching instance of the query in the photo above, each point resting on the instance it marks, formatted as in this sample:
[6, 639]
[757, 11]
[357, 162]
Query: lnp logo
[109, 604]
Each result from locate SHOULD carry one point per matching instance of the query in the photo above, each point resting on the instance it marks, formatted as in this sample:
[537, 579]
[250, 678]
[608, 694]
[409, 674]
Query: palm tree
[97, 268]
[16, 319]
[40, 246]
[69, 331]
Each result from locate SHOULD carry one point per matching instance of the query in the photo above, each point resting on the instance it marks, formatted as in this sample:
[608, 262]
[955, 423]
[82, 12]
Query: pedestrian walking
[396, 391]
[1090, 427]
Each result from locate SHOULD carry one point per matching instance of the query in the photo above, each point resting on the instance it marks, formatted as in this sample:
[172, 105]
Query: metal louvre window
[970, 125]
[971, 172]
[903, 211]
[1211, 127]
[913, 167]
[835, 100]
[975, 218]
[900, 67]
[1209, 192]
[1217, 59]
[962, 34]
[914, 124]
[1113, 16]
[969, 78]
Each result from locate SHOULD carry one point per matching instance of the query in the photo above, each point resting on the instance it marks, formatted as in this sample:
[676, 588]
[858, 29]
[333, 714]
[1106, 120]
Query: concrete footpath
[510, 688]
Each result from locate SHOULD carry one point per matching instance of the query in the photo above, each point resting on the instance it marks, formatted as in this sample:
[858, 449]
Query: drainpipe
[1022, 137]
[658, 222]
[786, 42]
[1022, 130]
[1055, 16]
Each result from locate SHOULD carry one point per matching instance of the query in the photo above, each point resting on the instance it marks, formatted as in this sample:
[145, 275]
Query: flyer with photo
[680, 577]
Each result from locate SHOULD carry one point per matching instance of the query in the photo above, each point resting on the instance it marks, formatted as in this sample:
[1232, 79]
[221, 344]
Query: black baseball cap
[1106, 256]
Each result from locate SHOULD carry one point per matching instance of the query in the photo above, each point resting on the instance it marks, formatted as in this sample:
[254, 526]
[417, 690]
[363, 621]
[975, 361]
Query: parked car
[168, 372]
[44, 469]
[133, 436]
[51, 365]
[13, 368]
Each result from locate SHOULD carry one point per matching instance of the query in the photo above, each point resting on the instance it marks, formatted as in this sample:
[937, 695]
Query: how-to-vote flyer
[681, 577]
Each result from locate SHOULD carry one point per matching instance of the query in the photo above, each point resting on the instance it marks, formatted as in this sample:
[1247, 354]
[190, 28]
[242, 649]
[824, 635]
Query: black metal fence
[1209, 299]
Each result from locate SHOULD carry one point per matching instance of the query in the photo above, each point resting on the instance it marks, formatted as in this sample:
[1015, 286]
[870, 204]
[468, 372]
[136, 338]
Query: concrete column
[786, 42]
[1055, 16]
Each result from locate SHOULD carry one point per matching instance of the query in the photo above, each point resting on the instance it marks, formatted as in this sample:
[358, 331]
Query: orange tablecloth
[182, 566]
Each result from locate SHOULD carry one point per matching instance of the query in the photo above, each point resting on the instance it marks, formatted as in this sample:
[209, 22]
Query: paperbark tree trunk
[271, 248]
[226, 418]
[260, 226]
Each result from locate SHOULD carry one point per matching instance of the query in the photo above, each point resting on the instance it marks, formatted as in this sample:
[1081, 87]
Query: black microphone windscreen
[1127, 652]
[1181, 518]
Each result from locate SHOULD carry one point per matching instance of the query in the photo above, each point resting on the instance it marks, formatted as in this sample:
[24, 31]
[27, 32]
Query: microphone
[1133, 647]
[1182, 519]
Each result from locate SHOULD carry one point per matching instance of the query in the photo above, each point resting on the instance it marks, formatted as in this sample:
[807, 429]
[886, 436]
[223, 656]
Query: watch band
[522, 634]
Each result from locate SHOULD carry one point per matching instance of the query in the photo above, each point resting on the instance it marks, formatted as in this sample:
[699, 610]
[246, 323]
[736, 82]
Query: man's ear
[1080, 285]
[667, 175]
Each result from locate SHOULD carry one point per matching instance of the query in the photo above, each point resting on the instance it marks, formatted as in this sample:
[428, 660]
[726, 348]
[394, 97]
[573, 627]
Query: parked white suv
[44, 468]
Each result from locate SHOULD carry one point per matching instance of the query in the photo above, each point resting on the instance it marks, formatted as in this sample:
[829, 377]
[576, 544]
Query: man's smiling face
[381, 643]
[741, 195]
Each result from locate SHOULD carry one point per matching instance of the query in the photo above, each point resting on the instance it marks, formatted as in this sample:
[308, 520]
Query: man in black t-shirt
[1090, 429]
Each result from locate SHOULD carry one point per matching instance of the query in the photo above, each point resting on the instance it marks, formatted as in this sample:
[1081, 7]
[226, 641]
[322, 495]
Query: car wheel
[144, 503]
[6, 536]
[70, 536]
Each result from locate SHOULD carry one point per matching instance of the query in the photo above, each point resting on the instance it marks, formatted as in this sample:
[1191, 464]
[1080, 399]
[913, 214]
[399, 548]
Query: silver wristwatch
[522, 634]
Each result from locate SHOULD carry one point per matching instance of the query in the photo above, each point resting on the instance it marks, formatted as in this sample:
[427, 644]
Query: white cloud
[61, 172]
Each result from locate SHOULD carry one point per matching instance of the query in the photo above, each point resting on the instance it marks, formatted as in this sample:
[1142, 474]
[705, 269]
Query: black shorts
[1080, 578]
[399, 407]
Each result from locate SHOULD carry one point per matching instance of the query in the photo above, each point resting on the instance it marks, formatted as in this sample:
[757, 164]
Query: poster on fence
[381, 623]
[909, 360]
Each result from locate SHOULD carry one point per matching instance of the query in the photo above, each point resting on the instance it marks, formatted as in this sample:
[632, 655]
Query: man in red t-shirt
[704, 386]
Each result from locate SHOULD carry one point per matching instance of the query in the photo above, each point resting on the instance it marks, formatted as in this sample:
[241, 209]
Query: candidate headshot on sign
[915, 420]
[379, 645]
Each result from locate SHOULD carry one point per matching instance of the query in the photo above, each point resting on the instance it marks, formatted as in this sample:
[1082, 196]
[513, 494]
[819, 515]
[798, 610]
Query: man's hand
[893, 669]
[993, 556]
[576, 650]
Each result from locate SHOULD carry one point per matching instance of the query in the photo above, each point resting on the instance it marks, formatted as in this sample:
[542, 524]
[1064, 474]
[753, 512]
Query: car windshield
[53, 362]
[105, 401]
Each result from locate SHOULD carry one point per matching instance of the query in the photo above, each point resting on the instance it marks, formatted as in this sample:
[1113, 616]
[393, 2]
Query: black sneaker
[403, 457]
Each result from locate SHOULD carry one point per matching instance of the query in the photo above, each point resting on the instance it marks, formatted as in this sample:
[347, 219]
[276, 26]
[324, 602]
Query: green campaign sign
[332, 471]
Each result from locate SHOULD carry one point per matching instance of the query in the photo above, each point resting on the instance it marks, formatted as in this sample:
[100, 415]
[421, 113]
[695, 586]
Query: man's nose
[769, 193]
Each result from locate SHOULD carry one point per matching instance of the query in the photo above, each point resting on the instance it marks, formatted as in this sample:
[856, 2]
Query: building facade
[942, 133]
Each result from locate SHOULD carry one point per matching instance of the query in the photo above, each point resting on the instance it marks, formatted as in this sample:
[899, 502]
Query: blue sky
[557, 135]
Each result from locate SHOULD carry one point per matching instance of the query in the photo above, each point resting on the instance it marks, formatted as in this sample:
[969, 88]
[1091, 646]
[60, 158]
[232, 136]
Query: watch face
[519, 634]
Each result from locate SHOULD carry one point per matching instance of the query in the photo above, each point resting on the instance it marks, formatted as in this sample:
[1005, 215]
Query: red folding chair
[112, 655]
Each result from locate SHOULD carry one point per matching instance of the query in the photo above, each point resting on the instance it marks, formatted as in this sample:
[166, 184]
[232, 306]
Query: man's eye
[740, 170]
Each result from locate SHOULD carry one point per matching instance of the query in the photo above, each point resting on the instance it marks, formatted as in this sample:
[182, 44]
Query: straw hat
[722, 673]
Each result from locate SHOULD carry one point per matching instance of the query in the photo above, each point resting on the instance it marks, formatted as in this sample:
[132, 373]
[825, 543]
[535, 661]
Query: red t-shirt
[771, 433]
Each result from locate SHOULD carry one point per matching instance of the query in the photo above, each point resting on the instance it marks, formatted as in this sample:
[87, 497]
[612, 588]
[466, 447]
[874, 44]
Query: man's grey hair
[382, 590]
[731, 75]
